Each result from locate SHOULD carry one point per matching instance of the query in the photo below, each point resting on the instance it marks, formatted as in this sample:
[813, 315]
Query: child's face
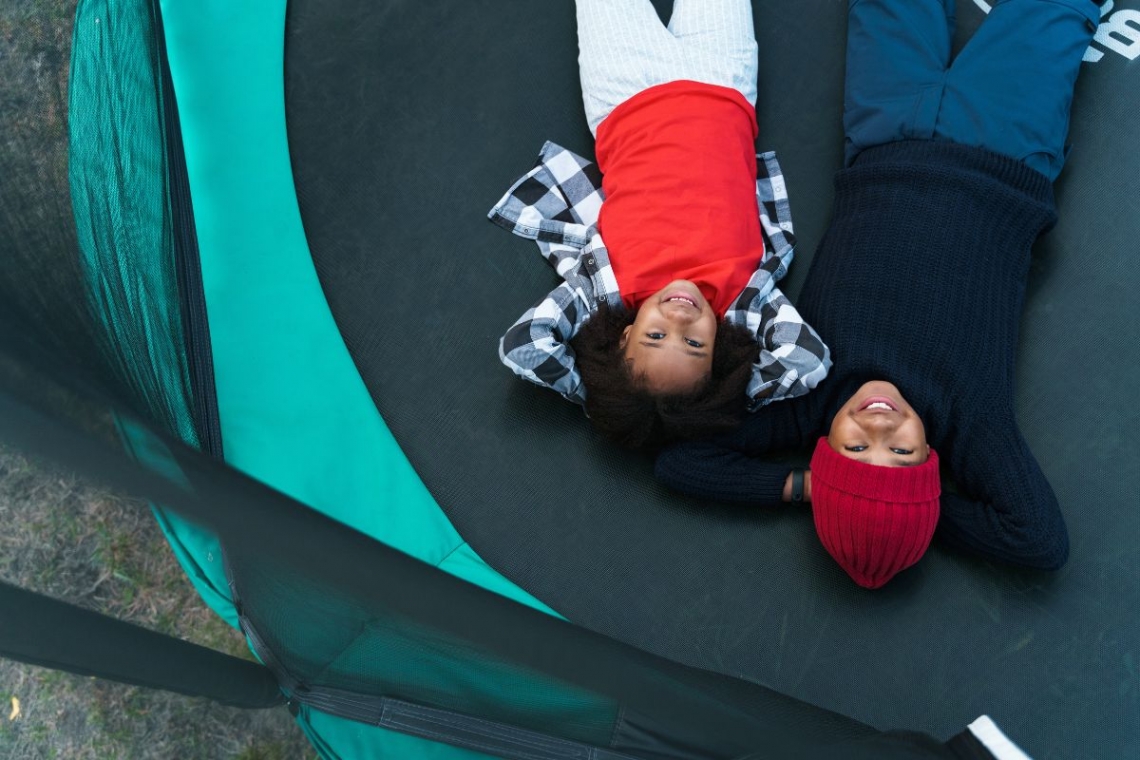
[878, 426]
[670, 343]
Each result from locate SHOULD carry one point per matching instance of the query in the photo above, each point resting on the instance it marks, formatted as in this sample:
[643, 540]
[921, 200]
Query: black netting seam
[187, 262]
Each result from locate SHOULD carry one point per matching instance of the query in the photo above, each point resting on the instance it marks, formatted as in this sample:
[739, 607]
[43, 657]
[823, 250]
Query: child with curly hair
[668, 324]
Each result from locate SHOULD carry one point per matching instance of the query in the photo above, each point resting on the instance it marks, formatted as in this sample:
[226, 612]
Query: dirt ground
[63, 538]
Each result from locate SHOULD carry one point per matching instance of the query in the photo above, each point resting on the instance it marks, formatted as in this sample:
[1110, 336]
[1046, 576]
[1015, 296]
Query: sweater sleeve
[711, 470]
[731, 467]
[1006, 510]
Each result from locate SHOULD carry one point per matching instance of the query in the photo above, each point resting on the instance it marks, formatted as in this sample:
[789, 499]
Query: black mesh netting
[341, 610]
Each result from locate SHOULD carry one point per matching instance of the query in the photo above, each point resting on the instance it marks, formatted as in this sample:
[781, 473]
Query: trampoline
[404, 123]
[740, 592]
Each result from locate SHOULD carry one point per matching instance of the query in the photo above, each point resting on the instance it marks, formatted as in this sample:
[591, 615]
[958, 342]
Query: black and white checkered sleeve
[792, 358]
[537, 346]
[775, 209]
[556, 204]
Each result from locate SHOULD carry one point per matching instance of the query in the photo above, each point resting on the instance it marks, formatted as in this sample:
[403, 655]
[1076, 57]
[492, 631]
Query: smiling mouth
[682, 298]
[878, 404]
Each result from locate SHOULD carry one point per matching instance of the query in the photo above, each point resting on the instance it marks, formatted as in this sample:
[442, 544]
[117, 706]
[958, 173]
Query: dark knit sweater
[919, 280]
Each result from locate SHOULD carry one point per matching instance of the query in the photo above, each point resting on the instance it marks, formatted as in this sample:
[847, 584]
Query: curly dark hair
[627, 413]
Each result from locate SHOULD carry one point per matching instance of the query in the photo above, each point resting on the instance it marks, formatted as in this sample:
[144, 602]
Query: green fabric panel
[294, 411]
[465, 563]
[196, 549]
[293, 408]
[192, 546]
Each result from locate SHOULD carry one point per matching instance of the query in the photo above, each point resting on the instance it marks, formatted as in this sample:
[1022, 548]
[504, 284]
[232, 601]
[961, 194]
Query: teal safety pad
[294, 412]
[196, 548]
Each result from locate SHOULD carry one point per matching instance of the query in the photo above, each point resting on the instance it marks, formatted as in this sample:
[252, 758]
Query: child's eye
[694, 343]
[903, 452]
[855, 448]
[655, 336]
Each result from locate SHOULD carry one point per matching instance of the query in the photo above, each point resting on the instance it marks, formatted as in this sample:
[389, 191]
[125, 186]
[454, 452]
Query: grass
[71, 541]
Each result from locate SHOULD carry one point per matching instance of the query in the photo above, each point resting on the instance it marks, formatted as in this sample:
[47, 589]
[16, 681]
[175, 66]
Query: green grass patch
[94, 549]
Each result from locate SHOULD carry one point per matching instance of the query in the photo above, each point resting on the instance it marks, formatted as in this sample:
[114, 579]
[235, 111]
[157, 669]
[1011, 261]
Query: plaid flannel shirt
[556, 204]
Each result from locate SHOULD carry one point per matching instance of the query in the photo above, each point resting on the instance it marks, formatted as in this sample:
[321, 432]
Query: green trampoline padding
[735, 592]
[294, 412]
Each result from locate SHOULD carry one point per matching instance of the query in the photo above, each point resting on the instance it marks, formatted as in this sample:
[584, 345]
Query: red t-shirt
[679, 171]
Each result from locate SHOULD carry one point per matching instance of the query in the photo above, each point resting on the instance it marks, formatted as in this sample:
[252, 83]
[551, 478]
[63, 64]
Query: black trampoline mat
[407, 121]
